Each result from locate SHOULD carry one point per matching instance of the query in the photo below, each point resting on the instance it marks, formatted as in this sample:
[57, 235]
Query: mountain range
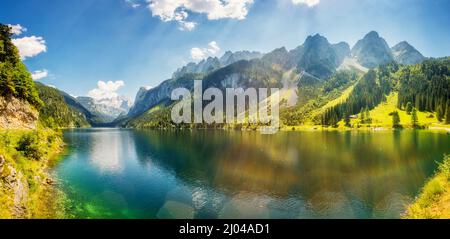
[106, 109]
[316, 57]
[324, 83]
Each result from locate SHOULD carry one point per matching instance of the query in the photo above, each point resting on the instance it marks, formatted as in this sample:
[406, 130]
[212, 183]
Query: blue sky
[139, 44]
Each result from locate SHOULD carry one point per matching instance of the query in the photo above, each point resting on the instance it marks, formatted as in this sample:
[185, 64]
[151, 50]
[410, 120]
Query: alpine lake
[123, 173]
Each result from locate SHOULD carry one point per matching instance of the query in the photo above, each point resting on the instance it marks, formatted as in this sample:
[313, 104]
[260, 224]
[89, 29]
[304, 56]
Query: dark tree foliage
[339, 79]
[414, 118]
[422, 87]
[368, 93]
[15, 80]
[440, 112]
[409, 108]
[447, 113]
[426, 86]
[56, 113]
[395, 119]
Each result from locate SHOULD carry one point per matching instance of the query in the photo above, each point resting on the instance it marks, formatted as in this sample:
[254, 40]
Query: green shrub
[444, 167]
[30, 145]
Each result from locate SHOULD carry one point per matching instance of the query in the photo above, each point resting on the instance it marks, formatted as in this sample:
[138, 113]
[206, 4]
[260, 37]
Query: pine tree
[368, 118]
[395, 119]
[414, 119]
[440, 112]
[362, 117]
[334, 120]
[409, 108]
[347, 118]
[447, 114]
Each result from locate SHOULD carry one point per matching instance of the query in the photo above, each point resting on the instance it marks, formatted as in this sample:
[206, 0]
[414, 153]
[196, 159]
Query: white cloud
[132, 3]
[40, 74]
[199, 54]
[106, 90]
[187, 26]
[17, 29]
[309, 3]
[176, 10]
[30, 46]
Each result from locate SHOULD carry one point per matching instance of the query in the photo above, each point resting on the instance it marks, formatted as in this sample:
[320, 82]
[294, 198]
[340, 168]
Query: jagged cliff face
[213, 63]
[232, 57]
[342, 50]
[319, 57]
[17, 114]
[204, 66]
[149, 98]
[406, 54]
[372, 51]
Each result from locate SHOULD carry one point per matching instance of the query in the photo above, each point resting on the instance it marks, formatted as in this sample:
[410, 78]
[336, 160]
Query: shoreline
[28, 189]
[300, 128]
[433, 202]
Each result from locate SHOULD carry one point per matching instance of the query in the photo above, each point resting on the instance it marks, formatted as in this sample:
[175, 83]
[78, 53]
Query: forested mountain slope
[57, 113]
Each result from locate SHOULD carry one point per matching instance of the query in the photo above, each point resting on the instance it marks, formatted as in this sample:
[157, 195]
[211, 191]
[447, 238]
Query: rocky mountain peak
[279, 56]
[230, 57]
[372, 51]
[316, 40]
[406, 54]
[372, 35]
[318, 57]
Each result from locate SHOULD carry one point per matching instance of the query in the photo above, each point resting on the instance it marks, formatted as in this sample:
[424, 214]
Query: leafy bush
[31, 145]
[444, 167]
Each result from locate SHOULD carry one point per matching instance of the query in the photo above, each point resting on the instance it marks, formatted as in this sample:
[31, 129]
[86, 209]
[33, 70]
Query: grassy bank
[26, 187]
[434, 200]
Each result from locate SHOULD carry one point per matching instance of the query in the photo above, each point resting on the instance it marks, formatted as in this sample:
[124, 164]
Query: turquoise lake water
[120, 173]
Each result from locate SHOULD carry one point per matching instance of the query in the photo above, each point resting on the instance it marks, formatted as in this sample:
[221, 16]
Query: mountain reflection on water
[115, 173]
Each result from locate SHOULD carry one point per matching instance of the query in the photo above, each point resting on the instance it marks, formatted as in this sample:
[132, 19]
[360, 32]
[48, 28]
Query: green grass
[381, 117]
[434, 199]
[380, 114]
[29, 152]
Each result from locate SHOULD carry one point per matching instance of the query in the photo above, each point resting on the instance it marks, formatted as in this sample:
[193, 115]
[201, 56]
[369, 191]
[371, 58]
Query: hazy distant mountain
[232, 57]
[106, 109]
[342, 50]
[213, 63]
[279, 57]
[406, 54]
[372, 51]
[204, 66]
[146, 98]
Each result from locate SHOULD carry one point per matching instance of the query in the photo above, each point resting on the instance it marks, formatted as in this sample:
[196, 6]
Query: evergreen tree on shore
[447, 114]
[347, 118]
[440, 112]
[409, 108]
[15, 80]
[395, 119]
[414, 119]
